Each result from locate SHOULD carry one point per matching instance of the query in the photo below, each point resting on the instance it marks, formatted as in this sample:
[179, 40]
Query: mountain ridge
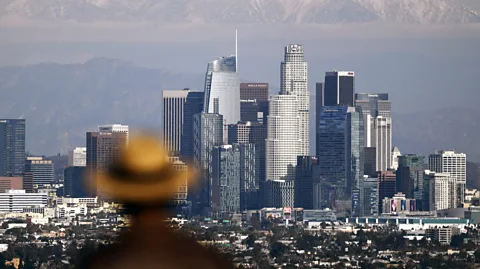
[244, 11]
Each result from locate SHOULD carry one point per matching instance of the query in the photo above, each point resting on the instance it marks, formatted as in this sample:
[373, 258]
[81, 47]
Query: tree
[323, 225]
[250, 241]
[278, 249]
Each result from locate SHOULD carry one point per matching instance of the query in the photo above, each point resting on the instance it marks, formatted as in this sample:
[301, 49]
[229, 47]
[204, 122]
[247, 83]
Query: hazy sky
[422, 67]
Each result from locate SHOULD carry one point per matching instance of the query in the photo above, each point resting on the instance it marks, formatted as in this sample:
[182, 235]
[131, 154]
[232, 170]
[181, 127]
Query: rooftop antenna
[236, 50]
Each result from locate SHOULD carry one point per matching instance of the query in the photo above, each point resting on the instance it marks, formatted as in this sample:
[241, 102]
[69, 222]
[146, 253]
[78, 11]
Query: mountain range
[61, 102]
[244, 11]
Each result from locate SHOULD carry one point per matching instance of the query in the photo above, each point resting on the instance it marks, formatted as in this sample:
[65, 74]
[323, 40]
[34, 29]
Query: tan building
[103, 149]
[180, 196]
[11, 183]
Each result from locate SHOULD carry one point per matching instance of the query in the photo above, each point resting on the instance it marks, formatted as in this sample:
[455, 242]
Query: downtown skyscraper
[294, 81]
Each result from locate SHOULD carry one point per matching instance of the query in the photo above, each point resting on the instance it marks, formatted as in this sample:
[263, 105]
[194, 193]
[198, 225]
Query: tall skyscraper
[181, 194]
[208, 134]
[172, 119]
[103, 149]
[304, 182]
[12, 147]
[193, 105]
[410, 175]
[249, 185]
[41, 169]
[382, 138]
[257, 91]
[319, 91]
[439, 191]
[77, 156]
[283, 142]
[339, 88]
[115, 128]
[74, 182]
[340, 150]
[225, 186]
[294, 81]
[222, 89]
[369, 196]
[453, 163]
[377, 117]
[395, 155]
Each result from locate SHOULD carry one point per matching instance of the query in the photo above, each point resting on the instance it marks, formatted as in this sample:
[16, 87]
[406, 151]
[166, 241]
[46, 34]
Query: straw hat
[143, 173]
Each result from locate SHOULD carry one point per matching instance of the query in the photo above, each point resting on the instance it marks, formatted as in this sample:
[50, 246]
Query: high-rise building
[369, 196]
[208, 134]
[77, 156]
[11, 183]
[340, 150]
[225, 186]
[319, 91]
[28, 182]
[255, 111]
[386, 187]
[74, 184]
[251, 133]
[254, 91]
[304, 182]
[377, 116]
[382, 138]
[12, 147]
[453, 163]
[280, 193]
[103, 149]
[370, 167]
[283, 142]
[249, 184]
[439, 191]
[114, 128]
[395, 155]
[193, 105]
[410, 172]
[339, 88]
[222, 89]
[41, 169]
[180, 196]
[172, 119]
[294, 81]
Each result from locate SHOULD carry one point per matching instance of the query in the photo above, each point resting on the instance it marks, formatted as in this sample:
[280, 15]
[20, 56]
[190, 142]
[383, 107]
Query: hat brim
[136, 191]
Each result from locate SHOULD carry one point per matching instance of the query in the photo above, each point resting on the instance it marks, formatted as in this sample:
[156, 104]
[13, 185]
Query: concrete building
[42, 171]
[283, 142]
[395, 155]
[369, 196]
[180, 196]
[114, 128]
[12, 147]
[17, 200]
[280, 193]
[11, 183]
[382, 141]
[173, 108]
[254, 91]
[249, 181]
[454, 163]
[386, 187]
[439, 191]
[77, 156]
[398, 204]
[294, 81]
[410, 172]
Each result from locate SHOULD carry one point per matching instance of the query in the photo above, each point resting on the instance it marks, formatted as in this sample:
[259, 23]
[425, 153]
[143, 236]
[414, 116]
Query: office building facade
[11, 183]
[14, 201]
[382, 140]
[173, 108]
[304, 177]
[410, 172]
[440, 191]
[193, 105]
[254, 91]
[74, 185]
[41, 169]
[453, 163]
[180, 195]
[294, 81]
[208, 134]
[339, 88]
[280, 193]
[77, 156]
[225, 186]
[369, 196]
[249, 183]
[283, 142]
[386, 187]
[12, 147]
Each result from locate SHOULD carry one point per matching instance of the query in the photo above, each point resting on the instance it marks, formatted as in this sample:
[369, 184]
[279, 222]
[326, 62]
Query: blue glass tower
[12, 147]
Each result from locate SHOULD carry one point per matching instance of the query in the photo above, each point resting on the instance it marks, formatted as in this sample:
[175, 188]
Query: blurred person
[144, 181]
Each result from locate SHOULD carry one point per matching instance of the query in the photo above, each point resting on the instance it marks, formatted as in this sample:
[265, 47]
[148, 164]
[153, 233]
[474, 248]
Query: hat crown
[144, 154]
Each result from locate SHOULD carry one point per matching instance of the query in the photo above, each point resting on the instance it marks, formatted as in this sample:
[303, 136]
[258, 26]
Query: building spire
[236, 50]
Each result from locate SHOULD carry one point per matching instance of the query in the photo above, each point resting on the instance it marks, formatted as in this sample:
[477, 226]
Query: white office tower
[283, 141]
[294, 81]
[114, 128]
[16, 200]
[395, 154]
[454, 163]
[439, 191]
[382, 141]
[172, 119]
[77, 157]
